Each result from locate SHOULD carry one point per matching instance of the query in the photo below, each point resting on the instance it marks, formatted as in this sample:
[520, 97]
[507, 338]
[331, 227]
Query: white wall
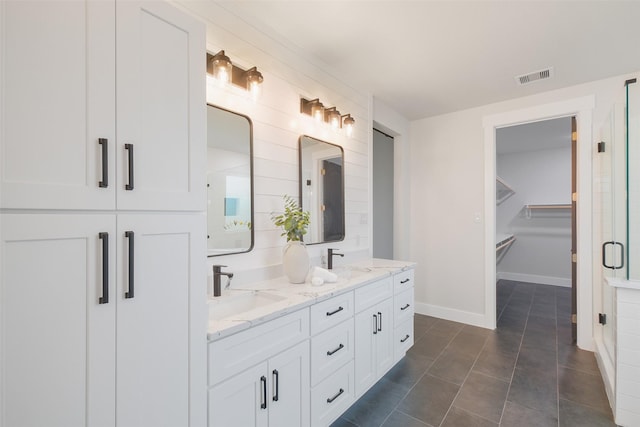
[277, 125]
[447, 194]
[541, 252]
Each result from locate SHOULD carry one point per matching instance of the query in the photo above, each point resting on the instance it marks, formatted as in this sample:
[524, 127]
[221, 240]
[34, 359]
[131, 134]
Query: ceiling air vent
[534, 76]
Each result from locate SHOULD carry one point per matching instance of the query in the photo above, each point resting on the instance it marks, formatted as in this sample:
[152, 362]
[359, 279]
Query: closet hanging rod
[547, 206]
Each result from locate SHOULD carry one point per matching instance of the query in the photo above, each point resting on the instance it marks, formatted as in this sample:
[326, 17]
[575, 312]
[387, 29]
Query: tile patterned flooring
[525, 373]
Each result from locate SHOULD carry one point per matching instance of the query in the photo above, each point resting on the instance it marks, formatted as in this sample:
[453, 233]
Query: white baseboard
[533, 278]
[474, 319]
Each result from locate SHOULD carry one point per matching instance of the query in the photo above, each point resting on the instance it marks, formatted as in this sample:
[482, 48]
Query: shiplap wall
[277, 125]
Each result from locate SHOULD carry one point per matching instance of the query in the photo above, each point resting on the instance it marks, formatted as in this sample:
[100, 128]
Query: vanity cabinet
[374, 354]
[102, 288]
[326, 356]
[254, 382]
[273, 393]
[403, 312]
[332, 353]
[73, 138]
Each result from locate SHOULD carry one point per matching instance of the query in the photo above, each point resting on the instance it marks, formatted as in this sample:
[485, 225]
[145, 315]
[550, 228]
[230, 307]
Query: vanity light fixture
[331, 115]
[254, 79]
[348, 123]
[220, 66]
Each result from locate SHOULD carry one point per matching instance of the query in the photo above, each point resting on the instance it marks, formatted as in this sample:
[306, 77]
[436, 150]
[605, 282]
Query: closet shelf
[505, 242]
[547, 210]
[503, 190]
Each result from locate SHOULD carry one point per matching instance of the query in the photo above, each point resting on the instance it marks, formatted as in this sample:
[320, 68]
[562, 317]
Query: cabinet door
[161, 108]
[384, 338]
[242, 400]
[366, 330]
[289, 396]
[57, 84]
[161, 349]
[58, 341]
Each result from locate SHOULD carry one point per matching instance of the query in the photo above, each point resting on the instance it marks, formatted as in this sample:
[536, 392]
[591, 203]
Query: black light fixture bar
[239, 76]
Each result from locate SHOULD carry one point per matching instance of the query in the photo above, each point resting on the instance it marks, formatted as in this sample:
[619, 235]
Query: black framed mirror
[321, 181]
[229, 182]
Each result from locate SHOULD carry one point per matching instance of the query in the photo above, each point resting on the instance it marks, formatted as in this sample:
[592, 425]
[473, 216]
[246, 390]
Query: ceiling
[423, 58]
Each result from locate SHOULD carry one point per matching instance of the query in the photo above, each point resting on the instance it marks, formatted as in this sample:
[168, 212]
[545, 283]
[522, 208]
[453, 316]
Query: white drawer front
[403, 338]
[233, 354]
[368, 295]
[329, 313]
[403, 306]
[332, 397]
[330, 350]
[403, 280]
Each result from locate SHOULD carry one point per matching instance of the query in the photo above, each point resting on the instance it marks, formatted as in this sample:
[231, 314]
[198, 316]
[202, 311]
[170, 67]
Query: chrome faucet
[217, 272]
[330, 256]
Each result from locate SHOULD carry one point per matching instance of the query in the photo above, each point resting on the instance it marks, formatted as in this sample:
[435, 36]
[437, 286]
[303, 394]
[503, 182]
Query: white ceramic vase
[295, 261]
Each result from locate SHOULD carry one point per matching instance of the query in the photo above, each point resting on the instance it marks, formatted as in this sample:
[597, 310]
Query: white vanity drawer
[403, 306]
[402, 338]
[231, 355]
[332, 397]
[403, 280]
[371, 294]
[330, 350]
[329, 313]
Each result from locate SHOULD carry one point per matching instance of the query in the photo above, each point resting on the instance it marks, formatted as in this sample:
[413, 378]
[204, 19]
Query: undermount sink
[348, 272]
[235, 304]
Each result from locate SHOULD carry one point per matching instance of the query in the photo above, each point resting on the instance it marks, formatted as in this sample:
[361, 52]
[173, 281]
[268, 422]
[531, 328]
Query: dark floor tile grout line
[506, 399]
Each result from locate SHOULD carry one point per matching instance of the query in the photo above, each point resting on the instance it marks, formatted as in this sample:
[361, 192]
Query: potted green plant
[294, 223]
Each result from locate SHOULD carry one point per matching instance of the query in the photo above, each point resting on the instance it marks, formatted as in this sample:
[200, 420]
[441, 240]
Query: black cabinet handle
[130, 292]
[604, 255]
[404, 281]
[263, 398]
[104, 183]
[405, 307]
[129, 148]
[331, 399]
[405, 338]
[337, 310]
[375, 324]
[276, 382]
[332, 352]
[380, 324]
[104, 299]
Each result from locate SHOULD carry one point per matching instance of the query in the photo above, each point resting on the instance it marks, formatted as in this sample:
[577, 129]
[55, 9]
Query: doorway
[582, 108]
[383, 195]
[535, 217]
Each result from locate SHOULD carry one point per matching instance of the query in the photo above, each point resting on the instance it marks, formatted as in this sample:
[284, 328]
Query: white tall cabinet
[102, 225]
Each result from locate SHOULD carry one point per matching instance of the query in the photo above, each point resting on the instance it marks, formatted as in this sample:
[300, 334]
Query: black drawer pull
[331, 399]
[405, 307]
[380, 325]
[405, 338]
[263, 398]
[276, 381]
[375, 324]
[129, 148]
[331, 353]
[105, 163]
[404, 281]
[130, 292]
[104, 299]
[337, 310]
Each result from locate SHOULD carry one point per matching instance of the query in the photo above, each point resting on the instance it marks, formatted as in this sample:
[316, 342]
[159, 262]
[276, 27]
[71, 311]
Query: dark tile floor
[525, 373]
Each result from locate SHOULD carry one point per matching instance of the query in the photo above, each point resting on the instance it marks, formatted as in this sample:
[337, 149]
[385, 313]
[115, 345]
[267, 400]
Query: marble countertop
[279, 297]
